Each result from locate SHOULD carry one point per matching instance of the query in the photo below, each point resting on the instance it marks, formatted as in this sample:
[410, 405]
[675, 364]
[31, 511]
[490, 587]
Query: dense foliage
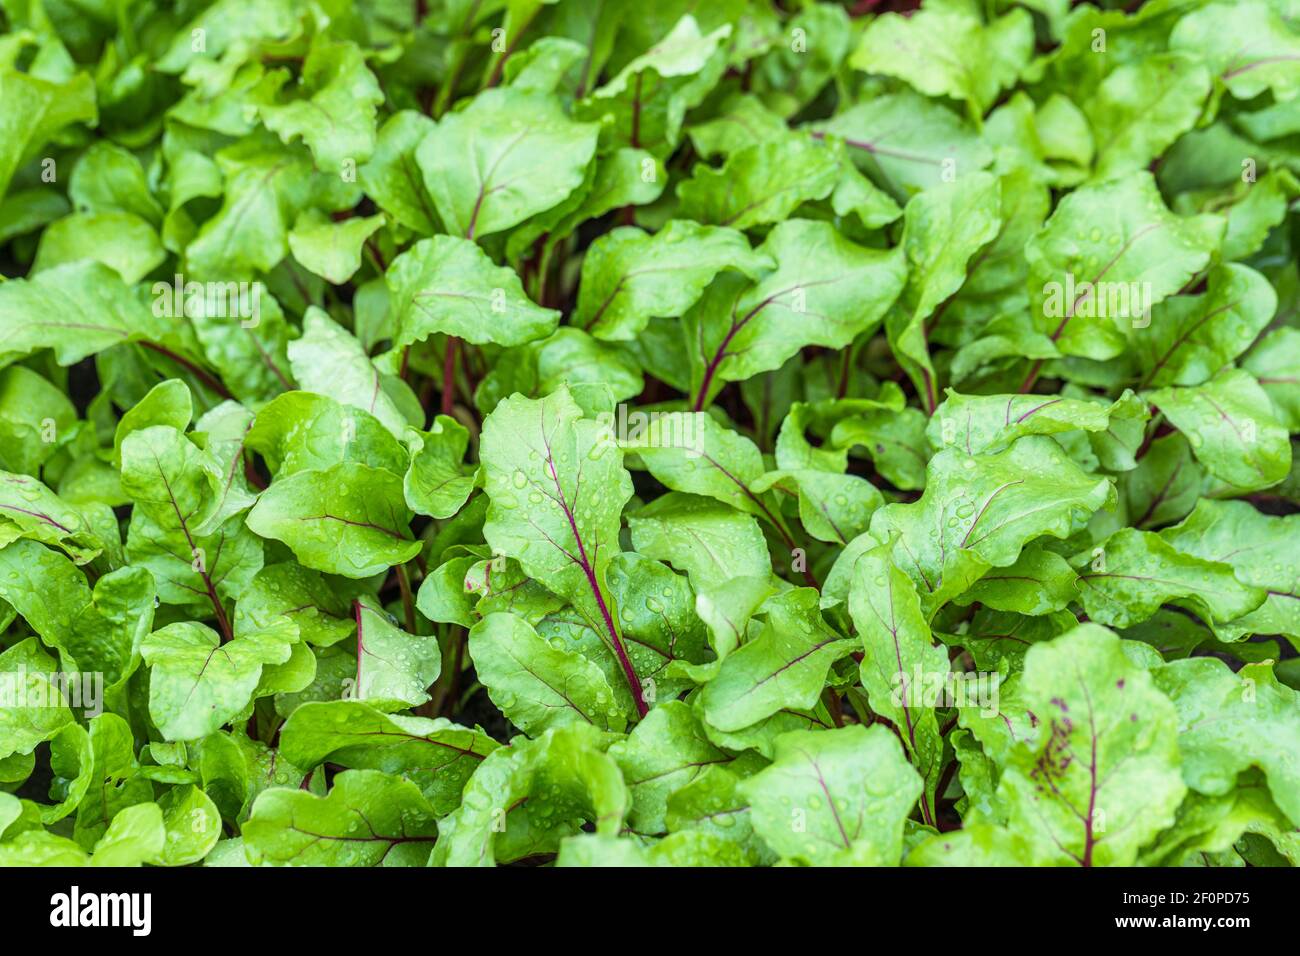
[620, 432]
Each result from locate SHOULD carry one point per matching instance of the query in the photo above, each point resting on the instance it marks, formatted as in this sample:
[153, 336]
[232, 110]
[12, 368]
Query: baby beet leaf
[1100, 775]
[536, 685]
[1254, 545]
[1131, 241]
[367, 817]
[930, 51]
[25, 727]
[850, 789]
[437, 482]
[1135, 572]
[980, 511]
[329, 361]
[348, 519]
[901, 665]
[189, 664]
[938, 264]
[663, 753]
[336, 116]
[761, 184]
[569, 764]
[824, 291]
[393, 668]
[449, 285]
[1257, 723]
[567, 433]
[644, 105]
[1192, 337]
[557, 488]
[783, 665]
[480, 164]
[709, 541]
[437, 755]
[629, 277]
[1228, 420]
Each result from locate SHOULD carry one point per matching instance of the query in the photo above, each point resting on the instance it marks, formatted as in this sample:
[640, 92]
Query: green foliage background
[602, 432]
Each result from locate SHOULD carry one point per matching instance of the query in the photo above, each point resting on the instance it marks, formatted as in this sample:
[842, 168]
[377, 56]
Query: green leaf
[938, 251]
[109, 178]
[906, 142]
[903, 671]
[177, 490]
[557, 487]
[1099, 777]
[783, 666]
[1256, 547]
[1040, 582]
[199, 683]
[329, 361]
[394, 668]
[192, 823]
[76, 309]
[979, 844]
[288, 592]
[760, 184]
[824, 291]
[367, 819]
[137, 835]
[693, 453]
[710, 803]
[36, 708]
[657, 611]
[1132, 573]
[645, 103]
[335, 115]
[480, 165]
[1165, 485]
[392, 176]
[1274, 364]
[1248, 46]
[628, 277]
[303, 431]
[535, 684]
[985, 508]
[250, 354]
[120, 240]
[28, 509]
[1141, 108]
[437, 755]
[1232, 432]
[833, 508]
[1228, 722]
[742, 120]
[835, 797]
[1110, 252]
[266, 188]
[663, 754]
[449, 285]
[348, 519]
[35, 109]
[709, 541]
[989, 423]
[949, 52]
[331, 250]
[525, 797]
[1192, 337]
[437, 483]
[32, 410]
[1217, 825]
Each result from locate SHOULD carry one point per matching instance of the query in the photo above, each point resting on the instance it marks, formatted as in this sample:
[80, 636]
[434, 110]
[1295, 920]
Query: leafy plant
[616, 433]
